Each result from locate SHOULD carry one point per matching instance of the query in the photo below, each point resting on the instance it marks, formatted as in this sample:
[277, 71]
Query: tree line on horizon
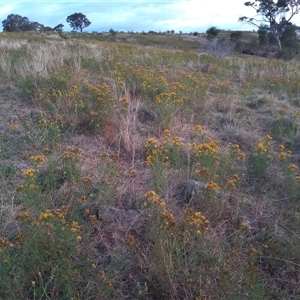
[272, 19]
[16, 23]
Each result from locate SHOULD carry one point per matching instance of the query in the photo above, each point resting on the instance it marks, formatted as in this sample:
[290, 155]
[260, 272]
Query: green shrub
[212, 32]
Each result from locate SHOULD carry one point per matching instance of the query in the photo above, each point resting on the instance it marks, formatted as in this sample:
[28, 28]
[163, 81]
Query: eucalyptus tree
[78, 21]
[275, 15]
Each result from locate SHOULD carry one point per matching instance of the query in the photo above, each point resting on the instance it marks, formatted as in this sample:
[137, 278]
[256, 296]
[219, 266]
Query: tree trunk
[278, 42]
[276, 36]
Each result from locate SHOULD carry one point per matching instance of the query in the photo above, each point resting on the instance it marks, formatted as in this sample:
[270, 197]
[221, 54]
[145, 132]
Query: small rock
[208, 68]
[190, 188]
[147, 116]
[253, 223]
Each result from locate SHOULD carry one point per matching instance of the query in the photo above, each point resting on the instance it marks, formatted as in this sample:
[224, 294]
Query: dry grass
[93, 167]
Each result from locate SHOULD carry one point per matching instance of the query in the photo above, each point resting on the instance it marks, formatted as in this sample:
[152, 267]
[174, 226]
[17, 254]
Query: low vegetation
[129, 173]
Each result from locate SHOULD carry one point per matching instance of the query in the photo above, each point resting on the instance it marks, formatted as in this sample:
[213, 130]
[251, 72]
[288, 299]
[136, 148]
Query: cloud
[6, 9]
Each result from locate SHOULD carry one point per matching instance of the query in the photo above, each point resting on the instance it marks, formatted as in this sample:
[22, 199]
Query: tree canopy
[15, 23]
[276, 15]
[212, 32]
[58, 27]
[78, 21]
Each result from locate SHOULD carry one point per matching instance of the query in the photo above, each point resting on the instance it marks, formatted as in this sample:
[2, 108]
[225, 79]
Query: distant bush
[112, 32]
[289, 38]
[47, 28]
[287, 53]
[236, 35]
[238, 47]
[212, 32]
[59, 27]
[262, 36]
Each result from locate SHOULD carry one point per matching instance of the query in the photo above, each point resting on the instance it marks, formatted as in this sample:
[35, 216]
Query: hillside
[130, 173]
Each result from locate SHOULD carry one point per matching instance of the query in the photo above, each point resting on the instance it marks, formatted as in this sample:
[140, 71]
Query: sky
[140, 15]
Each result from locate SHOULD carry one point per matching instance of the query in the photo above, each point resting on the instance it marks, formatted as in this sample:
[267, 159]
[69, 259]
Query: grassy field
[128, 173]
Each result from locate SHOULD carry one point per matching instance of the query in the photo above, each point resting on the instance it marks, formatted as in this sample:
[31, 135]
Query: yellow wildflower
[124, 100]
[246, 225]
[38, 158]
[29, 172]
[154, 198]
[212, 186]
[166, 132]
[75, 226]
[198, 128]
[293, 167]
[231, 183]
[132, 173]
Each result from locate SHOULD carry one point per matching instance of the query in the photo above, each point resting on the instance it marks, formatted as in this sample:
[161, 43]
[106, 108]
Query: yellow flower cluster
[296, 114]
[212, 186]
[47, 219]
[292, 167]
[175, 141]
[209, 157]
[152, 150]
[73, 91]
[38, 158]
[239, 154]
[167, 133]
[55, 93]
[264, 145]
[169, 221]
[246, 225]
[133, 241]
[202, 171]
[198, 128]
[283, 155]
[103, 91]
[252, 251]
[71, 153]
[282, 110]
[87, 181]
[119, 73]
[12, 127]
[231, 183]
[93, 218]
[166, 96]
[5, 243]
[54, 214]
[132, 173]
[152, 80]
[124, 100]
[162, 80]
[205, 148]
[196, 220]
[177, 86]
[24, 216]
[82, 199]
[152, 197]
[224, 85]
[29, 172]
[75, 227]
